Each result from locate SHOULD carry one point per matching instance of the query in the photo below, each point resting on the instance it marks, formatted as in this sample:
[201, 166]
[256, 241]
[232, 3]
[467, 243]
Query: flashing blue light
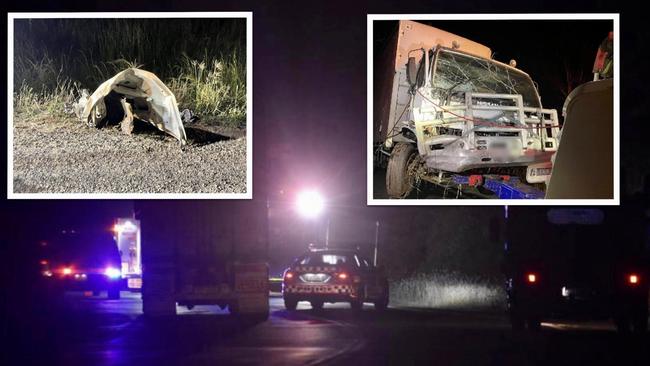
[113, 273]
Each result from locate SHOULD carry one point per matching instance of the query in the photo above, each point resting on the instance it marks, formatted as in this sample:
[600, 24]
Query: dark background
[309, 115]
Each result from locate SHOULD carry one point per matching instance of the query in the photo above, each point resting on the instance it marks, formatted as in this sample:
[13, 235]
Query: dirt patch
[68, 157]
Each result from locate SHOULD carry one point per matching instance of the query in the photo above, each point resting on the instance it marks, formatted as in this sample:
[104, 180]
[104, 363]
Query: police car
[334, 275]
[82, 261]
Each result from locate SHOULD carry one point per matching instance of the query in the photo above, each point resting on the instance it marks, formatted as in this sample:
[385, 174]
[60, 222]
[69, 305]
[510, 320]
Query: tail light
[289, 276]
[531, 278]
[633, 279]
[67, 271]
[343, 276]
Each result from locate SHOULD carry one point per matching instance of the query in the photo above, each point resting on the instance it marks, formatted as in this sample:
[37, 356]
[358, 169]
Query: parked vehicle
[577, 263]
[204, 253]
[334, 275]
[89, 261]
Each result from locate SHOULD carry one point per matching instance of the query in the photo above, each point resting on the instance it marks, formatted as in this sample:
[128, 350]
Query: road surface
[96, 331]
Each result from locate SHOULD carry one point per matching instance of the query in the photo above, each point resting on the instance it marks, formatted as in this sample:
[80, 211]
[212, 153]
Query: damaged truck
[446, 112]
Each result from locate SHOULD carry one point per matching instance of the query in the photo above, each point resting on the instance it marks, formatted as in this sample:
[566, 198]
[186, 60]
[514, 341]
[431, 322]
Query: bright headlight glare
[113, 272]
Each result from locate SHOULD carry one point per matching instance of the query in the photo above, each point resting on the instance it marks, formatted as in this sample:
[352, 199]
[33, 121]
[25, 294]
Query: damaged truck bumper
[462, 160]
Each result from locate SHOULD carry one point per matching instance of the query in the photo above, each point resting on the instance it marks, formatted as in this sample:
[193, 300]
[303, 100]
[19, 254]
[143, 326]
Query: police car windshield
[325, 258]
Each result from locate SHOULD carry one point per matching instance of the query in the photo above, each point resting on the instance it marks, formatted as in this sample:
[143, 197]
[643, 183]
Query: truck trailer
[204, 253]
[576, 263]
[443, 108]
[127, 236]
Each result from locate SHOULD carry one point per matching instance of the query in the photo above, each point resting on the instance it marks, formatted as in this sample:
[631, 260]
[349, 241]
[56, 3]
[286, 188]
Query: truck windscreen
[457, 73]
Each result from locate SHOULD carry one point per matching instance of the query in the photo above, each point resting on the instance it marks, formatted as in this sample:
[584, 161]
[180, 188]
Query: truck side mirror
[412, 71]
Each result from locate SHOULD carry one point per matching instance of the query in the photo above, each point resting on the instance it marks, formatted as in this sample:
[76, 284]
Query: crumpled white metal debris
[138, 93]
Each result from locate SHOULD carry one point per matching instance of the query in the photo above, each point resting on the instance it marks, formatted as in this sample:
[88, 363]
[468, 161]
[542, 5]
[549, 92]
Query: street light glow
[309, 203]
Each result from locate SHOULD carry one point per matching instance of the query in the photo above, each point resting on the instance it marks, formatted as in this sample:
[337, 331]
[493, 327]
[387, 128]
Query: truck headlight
[112, 273]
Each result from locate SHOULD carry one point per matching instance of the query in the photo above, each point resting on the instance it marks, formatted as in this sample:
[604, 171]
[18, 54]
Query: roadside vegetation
[448, 290]
[203, 62]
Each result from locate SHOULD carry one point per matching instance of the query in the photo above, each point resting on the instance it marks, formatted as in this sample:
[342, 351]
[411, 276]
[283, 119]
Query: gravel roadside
[68, 157]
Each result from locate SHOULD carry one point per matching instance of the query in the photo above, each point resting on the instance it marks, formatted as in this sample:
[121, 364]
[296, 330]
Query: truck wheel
[399, 183]
[622, 324]
[534, 324]
[640, 322]
[517, 322]
[114, 294]
[316, 305]
[290, 304]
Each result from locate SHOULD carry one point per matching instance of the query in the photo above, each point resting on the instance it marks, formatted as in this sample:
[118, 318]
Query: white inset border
[614, 17]
[248, 194]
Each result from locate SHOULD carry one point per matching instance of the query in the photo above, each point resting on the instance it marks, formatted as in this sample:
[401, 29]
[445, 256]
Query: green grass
[203, 62]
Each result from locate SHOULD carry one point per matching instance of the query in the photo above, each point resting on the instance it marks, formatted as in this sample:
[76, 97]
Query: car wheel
[290, 304]
[114, 294]
[399, 181]
[356, 305]
[317, 305]
[381, 304]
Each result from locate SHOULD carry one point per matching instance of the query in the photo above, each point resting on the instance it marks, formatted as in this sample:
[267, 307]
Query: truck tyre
[622, 324]
[114, 294]
[399, 183]
[316, 305]
[290, 303]
[534, 324]
[640, 322]
[517, 322]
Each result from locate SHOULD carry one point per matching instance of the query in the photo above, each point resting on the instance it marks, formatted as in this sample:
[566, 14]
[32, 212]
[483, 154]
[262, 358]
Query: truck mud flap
[158, 291]
[251, 288]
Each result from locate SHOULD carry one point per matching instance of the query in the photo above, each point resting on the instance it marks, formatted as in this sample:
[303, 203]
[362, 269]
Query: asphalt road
[96, 331]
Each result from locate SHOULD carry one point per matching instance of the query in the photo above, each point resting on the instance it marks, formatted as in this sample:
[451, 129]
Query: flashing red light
[288, 276]
[343, 276]
[67, 271]
[44, 262]
[633, 279]
[531, 278]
